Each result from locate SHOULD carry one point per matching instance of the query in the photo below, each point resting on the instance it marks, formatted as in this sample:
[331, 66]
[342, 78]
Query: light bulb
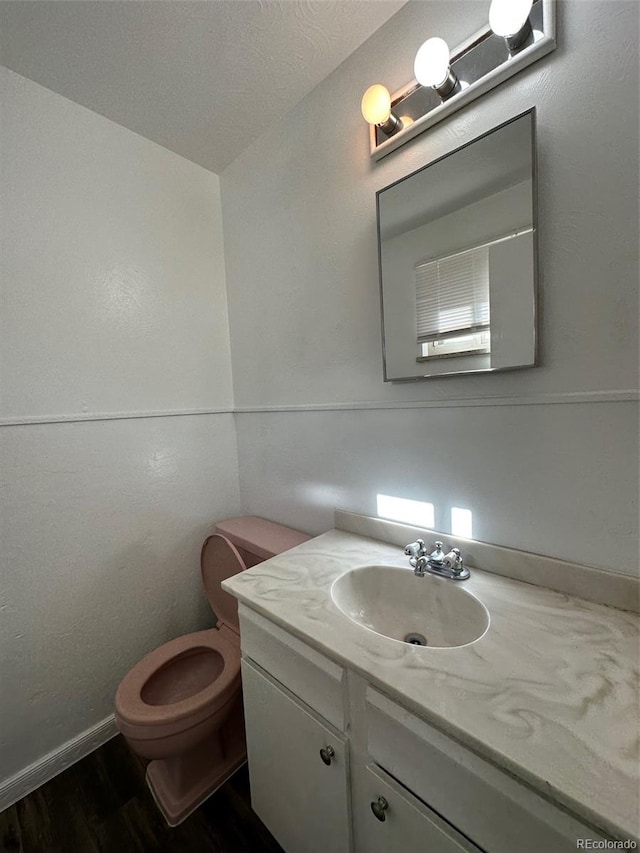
[376, 104]
[431, 65]
[508, 17]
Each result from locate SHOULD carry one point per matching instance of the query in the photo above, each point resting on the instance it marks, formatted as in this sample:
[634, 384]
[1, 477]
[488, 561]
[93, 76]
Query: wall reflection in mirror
[457, 250]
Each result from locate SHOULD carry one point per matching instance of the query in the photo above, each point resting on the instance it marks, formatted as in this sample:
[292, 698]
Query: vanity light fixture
[431, 68]
[519, 33]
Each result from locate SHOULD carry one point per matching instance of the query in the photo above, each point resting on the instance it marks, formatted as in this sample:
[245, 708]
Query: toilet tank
[258, 539]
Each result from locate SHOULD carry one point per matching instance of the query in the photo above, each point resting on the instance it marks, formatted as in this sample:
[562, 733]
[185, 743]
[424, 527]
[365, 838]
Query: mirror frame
[534, 215]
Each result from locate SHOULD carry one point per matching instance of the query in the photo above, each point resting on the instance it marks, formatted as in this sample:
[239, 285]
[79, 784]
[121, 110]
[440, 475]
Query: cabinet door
[302, 800]
[408, 826]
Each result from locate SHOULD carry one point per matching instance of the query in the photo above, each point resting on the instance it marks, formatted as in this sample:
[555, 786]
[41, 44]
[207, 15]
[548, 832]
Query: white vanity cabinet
[337, 766]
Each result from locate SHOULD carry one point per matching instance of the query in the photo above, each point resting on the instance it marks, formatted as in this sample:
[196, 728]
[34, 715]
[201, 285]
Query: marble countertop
[550, 692]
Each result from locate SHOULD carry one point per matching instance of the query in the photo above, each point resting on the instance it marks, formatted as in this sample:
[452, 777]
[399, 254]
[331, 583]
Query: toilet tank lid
[260, 537]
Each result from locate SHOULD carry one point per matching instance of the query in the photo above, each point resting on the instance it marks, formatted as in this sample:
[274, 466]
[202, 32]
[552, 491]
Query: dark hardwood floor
[102, 805]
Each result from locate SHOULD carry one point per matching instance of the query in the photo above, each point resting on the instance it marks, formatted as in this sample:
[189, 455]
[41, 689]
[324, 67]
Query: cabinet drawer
[304, 671]
[409, 826]
[490, 807]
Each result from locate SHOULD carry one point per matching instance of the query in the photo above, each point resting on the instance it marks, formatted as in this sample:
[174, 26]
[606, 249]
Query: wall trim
[37, 420]
[18, 786]
[550, 399]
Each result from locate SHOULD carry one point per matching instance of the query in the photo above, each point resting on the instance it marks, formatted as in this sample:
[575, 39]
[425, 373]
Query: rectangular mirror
[457, 255]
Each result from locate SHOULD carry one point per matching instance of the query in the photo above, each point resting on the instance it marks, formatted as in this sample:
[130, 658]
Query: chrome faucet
[437, 562]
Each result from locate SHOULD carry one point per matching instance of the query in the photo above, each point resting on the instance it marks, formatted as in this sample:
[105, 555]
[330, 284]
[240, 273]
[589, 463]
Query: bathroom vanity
[525, 739]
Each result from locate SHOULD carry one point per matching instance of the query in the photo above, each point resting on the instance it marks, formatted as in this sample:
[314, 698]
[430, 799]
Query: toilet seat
[141, 720]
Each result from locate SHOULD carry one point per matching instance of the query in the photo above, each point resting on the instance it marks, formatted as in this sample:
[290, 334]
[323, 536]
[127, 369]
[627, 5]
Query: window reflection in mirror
[457, 259]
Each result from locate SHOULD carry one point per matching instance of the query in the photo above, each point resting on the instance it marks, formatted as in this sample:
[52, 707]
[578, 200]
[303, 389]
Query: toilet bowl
[181, 705]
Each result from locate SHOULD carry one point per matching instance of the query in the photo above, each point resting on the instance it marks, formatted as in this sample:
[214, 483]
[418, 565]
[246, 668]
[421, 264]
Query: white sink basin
[394, 602]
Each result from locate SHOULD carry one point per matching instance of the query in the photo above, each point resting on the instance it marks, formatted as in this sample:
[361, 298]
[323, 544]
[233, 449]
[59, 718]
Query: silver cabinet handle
[379, 808]
[326, 754]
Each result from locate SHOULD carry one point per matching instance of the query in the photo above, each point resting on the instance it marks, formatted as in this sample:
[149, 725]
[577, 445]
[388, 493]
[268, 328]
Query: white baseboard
[16, 787]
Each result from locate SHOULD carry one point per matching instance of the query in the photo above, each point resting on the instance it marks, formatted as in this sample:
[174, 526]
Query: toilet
[181, 705]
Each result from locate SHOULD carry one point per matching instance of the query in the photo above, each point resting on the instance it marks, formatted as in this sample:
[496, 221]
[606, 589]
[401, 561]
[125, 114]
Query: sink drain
[416, 639]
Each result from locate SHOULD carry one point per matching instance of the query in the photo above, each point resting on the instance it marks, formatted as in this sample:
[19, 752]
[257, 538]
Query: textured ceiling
[201, 78]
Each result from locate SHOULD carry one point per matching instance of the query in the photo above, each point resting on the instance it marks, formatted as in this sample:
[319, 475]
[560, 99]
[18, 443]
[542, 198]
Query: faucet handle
[453, 560]
[415, 549]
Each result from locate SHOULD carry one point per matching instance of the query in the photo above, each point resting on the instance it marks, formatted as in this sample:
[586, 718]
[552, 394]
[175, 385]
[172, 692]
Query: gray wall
[546, 459]
[113, 310]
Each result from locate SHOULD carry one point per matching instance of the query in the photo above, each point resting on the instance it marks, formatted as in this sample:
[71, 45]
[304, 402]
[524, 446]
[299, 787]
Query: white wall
[113, 310]
[556, 470]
